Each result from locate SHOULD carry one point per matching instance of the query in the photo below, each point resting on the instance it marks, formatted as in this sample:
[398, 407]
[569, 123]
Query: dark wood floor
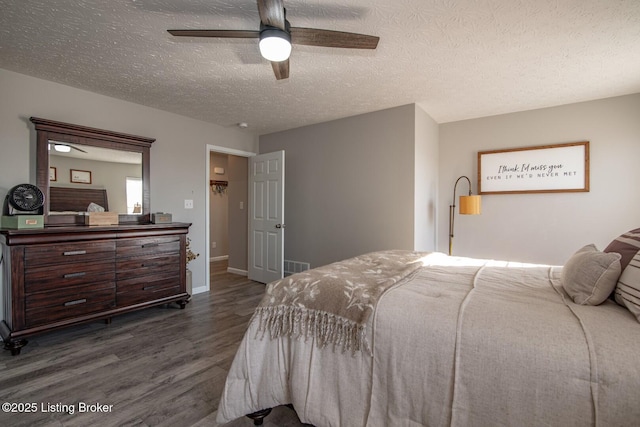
[160, 366]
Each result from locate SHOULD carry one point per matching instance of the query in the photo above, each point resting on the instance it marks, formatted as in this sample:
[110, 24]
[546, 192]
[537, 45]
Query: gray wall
[350, 184]
[546, 228]
[426, 181]
[179, 157]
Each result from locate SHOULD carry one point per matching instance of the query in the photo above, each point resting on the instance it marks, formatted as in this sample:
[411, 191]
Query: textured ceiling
[458, 59]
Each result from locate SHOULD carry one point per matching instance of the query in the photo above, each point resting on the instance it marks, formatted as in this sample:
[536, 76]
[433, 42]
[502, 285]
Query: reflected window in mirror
[134, 195]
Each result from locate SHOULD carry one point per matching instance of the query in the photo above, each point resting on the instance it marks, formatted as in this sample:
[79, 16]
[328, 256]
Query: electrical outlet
[188, 204]
[213, 245]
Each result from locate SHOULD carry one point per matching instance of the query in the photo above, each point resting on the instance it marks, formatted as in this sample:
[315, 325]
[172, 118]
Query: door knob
[280, 225]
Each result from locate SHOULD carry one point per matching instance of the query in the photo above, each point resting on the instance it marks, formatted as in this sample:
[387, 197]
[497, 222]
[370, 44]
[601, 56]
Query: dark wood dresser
[60, 276]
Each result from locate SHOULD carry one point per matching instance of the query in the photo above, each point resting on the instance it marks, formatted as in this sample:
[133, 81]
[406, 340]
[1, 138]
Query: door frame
[221, 150]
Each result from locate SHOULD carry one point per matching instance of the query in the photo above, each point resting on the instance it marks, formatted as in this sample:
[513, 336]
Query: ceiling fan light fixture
[62, 148]
[275, 44]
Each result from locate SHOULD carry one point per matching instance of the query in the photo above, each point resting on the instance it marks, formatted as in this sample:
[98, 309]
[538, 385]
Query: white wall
[546, 228]
[178, 170]
[350, 184]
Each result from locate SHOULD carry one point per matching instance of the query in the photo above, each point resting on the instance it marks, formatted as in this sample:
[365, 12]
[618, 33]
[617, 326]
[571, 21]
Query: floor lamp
[469, 205]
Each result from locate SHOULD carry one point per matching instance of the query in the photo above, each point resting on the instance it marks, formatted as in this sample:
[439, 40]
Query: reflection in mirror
[117, 172]
[78, 166]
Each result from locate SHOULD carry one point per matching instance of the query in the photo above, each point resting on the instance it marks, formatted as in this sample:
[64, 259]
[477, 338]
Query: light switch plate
[188, 204]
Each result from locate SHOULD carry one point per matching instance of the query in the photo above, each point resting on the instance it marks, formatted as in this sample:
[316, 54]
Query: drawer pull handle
[74, 302]
[150, 245]
[71, 275]
[70, 253]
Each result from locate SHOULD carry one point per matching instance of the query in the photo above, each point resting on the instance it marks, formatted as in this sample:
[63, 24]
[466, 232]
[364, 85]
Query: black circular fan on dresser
[25, 198]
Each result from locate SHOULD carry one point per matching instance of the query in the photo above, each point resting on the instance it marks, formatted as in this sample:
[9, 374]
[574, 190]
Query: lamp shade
[275, 44]
[470, 205]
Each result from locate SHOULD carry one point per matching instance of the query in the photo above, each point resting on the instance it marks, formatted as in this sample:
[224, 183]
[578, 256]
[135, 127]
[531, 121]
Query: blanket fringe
[302, 323]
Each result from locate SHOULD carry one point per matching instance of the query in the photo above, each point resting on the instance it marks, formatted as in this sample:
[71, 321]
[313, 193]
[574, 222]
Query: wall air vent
[291, 267]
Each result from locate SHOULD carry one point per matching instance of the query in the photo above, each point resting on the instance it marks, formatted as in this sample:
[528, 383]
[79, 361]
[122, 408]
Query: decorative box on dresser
[61, 276]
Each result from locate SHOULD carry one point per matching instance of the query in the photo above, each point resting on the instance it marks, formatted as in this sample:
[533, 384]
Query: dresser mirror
[77, 166]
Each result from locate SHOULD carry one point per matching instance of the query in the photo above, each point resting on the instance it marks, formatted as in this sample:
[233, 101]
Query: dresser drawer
[141, 266]
[148, 246]
[149, 283]
[69, 302]
[44, 278]
[147, 288]
[131, 298]
[61, 253]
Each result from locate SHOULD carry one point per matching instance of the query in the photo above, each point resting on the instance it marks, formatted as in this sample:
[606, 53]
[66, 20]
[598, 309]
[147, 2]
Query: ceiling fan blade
[235, 34]
[281, 69]
[272, 13]
[79, 149]
[328, 38]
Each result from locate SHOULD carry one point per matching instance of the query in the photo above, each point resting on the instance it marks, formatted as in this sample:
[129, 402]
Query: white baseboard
[237, 271]
[199, 290]
[219, 258]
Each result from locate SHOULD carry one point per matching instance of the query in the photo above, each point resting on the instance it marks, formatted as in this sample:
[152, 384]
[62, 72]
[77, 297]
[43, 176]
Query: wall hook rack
[219, 187]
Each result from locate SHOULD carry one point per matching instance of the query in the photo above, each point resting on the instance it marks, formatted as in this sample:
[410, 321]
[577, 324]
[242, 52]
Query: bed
[402, 338]
[64, 200]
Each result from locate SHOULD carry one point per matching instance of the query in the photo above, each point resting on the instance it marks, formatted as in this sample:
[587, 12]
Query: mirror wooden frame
[64, 132]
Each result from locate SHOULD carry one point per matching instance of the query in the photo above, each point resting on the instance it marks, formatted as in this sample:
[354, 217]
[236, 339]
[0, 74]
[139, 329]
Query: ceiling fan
[63, 147]
[276, 36]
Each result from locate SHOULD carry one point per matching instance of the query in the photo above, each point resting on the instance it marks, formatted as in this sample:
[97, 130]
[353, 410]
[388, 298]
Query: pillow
[627, 291]
[590, 276]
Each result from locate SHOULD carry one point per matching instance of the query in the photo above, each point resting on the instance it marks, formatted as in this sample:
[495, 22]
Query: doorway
[236, 205]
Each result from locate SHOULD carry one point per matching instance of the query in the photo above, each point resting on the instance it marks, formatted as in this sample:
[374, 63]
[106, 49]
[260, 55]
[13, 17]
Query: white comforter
[463, 342]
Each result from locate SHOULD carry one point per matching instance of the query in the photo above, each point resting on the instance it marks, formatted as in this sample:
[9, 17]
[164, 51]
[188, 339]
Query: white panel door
[266, 217]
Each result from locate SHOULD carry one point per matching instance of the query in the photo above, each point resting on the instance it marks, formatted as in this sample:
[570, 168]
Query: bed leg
[258, 416]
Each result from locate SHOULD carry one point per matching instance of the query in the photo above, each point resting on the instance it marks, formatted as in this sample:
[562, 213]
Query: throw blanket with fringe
[332, 303]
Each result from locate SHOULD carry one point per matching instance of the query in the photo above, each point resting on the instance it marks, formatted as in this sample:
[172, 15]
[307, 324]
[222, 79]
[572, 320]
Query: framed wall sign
[53, 173]
[543, 169]
[80, 176]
